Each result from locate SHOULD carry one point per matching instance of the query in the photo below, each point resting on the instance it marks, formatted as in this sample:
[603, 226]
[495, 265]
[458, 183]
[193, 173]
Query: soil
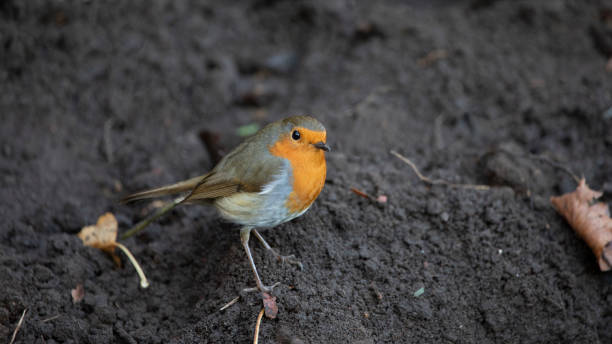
[99, 99]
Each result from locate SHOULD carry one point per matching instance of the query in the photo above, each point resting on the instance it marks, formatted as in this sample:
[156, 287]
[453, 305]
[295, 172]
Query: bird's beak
[322, 145]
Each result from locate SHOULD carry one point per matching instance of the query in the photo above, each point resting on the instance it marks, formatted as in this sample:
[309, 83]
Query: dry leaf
[271, 309]
[591, 221]
[102, 235]
[77, 293]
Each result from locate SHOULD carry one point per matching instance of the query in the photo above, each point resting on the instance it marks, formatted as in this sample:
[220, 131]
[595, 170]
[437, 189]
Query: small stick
[438, 140]
[51, 318]
[108, 143]
[230, 303]
[557, 165]
[437, 181]
[432, 57]
[361, 193]
[144, 223]
[144, 283]
[19, 324]
[256, 338]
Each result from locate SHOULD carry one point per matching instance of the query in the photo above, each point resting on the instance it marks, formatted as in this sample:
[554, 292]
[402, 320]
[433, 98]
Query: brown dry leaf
[591, 221]
[102, 235]
[271, 309]
[77, 293]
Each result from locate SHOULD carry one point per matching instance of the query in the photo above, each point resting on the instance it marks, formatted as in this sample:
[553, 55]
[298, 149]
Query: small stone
[444, 216]
[434, 207]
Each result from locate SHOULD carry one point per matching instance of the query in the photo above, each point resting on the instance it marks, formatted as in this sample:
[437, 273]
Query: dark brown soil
[101, 98]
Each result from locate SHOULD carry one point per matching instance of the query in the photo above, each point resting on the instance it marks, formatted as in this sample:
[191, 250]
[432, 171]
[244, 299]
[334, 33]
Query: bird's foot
[262, 288]
[289, 259]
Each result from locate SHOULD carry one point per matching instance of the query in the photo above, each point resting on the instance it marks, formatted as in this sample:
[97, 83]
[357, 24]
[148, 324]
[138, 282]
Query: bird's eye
[295, 135]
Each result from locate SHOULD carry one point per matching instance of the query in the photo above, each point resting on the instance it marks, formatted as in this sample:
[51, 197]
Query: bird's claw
[262, 288]
[290, 259]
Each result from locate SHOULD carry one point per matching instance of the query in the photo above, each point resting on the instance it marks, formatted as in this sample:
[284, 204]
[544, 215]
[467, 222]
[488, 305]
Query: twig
[144, 223]
[361, 193]
[557, 165]
[108, 143]
[51, 318]
[432, 57]
[437, 181]
[438, 139]
[379, 295]
[256, 338]
[19, 324]
[380, 199]
[230, 303]
[144, 283]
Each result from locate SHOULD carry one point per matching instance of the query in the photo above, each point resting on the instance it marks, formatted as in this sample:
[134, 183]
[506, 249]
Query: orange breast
[308, 170]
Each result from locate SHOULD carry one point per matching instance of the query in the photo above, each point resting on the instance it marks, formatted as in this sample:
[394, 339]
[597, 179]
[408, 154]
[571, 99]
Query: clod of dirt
[601, 33]
[505, 167]
[285, 337]
[366, 31]
[256, 91]
[282, 63]
[211, 141]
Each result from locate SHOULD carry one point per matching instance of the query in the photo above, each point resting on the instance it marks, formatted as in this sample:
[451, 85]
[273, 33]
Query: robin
[272, 177]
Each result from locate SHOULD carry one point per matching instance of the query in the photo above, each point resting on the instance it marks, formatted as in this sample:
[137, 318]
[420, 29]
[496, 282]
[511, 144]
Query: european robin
[272, 177]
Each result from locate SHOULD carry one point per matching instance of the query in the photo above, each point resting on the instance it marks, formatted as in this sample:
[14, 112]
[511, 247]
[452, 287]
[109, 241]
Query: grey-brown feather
[237, 173]
[182, 186]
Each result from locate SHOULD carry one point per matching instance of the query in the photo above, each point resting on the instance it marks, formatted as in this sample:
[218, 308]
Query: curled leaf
[591, 222]
[102, 235]
[271, 309]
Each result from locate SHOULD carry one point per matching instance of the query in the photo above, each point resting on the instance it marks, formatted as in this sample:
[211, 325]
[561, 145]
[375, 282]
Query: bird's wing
[183, 186]
[248, 168]
[245, 169]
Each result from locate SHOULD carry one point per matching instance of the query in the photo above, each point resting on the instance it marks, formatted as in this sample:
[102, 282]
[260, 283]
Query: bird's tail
[183, 186]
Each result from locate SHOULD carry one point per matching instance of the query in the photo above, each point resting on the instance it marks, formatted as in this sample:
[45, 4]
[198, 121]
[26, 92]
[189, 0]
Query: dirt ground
[102, 98]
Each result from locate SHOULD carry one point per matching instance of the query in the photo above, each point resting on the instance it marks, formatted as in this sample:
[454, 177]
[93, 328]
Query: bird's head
[300, 137]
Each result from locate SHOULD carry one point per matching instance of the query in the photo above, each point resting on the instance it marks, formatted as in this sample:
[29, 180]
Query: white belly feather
[266, 208]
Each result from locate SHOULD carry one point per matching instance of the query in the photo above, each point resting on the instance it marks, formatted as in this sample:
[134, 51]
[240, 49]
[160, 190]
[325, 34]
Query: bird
[272, 177]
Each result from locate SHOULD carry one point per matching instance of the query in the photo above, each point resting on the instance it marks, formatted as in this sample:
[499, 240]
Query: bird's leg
[245, 233]
[289, 259]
